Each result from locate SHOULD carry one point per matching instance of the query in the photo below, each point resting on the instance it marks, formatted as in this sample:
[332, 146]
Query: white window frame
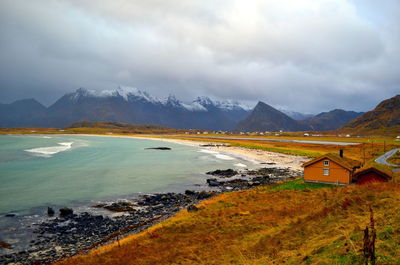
[326, 163]
[326, 172]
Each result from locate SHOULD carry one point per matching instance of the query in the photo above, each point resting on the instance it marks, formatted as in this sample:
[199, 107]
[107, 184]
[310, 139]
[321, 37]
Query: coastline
[252, 155]
[61, 237]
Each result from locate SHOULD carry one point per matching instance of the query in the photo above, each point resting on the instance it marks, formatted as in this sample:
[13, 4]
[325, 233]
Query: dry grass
[265, 226]
[395, 159]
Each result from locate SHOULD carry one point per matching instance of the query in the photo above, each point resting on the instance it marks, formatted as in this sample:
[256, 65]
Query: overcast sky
[303, 55]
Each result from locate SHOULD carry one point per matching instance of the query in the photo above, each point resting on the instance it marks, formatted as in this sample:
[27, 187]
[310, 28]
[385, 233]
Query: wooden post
[369, 240]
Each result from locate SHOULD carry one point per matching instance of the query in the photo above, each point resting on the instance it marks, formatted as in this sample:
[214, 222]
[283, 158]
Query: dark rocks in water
[158, 148]
[120, 206]
[190, 192]
[10, 215]
[213, 182]
[268, 163]
[50, 211]
[5, 245]
[223, 173]
[66, 212]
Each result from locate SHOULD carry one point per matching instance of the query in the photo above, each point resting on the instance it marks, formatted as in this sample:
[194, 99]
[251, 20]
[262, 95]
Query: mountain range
[131, 105]
[266, 118]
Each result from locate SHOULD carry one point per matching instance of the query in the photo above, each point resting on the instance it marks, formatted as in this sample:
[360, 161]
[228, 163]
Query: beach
[80, 231]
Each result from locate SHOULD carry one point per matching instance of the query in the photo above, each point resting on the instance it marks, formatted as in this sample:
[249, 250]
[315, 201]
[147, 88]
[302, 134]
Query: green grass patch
[299, 184]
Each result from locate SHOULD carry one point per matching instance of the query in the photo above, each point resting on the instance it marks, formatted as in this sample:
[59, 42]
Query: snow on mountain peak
[125, 92]
[231, 105]
[204, 101]
[132, 94]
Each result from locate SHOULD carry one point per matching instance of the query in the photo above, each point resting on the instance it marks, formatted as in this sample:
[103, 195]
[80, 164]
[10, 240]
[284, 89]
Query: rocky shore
[70, 234]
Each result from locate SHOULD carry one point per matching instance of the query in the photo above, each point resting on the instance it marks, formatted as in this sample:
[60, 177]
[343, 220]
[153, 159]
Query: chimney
[341, 153]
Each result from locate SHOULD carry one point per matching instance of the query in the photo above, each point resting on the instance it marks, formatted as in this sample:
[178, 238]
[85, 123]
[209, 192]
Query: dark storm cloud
[304, 55]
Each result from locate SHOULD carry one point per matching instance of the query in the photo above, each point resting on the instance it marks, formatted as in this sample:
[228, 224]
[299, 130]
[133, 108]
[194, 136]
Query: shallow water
[79, 171]
[46, 170]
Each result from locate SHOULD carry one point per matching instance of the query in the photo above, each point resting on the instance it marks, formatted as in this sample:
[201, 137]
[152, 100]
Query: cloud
[305, 55]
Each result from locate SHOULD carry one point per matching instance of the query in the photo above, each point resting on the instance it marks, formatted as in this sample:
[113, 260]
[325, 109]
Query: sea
[40, 171]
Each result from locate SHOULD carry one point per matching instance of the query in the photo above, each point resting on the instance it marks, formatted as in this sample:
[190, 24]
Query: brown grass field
[267, 225]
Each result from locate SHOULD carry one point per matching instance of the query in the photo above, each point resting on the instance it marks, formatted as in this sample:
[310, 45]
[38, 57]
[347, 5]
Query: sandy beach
[259, 156]
[256, 156]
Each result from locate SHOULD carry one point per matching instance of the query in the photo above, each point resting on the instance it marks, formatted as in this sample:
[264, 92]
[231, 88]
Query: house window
[326, 171]
[326, 163]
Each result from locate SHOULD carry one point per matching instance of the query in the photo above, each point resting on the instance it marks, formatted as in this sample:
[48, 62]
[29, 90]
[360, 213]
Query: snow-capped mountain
[132, 105]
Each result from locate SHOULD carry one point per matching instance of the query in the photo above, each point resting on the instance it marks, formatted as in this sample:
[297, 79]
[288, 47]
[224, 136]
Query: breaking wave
[51, 150]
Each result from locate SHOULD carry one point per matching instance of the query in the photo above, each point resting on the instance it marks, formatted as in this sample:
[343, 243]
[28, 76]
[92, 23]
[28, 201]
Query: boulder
[50, 211]
[213, 182]
[223, 173]
[65, 212]
[158, 148]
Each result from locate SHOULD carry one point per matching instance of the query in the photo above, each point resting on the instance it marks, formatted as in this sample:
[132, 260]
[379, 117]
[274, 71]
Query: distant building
[331, 169]
[371, 175]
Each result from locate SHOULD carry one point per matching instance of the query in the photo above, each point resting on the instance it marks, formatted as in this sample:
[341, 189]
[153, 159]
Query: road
[382, 159]
[275, 140]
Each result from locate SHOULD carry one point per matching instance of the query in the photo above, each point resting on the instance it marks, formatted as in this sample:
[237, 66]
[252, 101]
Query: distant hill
[331, 120]
[296, 115]
[116, 125]
[385, 118]
[124, 104]
[266, 118]
[28, 112]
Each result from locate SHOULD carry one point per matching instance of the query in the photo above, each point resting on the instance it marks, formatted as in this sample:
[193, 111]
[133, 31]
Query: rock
[204, 195]
[213, 182]
[190, 192]
[223, 173]
[192, 208]
[158, 148]
[66, 212]
[5, 245]
[120, 206]
[10, 215]
[50, 211]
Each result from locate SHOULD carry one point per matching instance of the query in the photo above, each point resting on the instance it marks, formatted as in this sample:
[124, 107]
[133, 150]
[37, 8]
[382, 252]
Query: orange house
[330, 169]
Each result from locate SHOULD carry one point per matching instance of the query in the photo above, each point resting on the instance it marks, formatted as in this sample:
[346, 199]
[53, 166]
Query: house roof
[343, 161]
[384, 173]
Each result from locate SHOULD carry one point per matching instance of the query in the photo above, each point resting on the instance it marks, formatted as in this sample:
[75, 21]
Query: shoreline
[252, 155]
[68, 236]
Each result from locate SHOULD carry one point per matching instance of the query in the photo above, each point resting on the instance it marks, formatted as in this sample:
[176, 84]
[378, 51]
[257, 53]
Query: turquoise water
[37, 171]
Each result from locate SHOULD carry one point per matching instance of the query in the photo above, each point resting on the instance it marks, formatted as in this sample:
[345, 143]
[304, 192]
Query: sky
[302, 55]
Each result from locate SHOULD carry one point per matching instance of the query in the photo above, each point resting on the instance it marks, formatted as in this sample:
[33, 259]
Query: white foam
[224, 157]
[208, 151]
[217, 154]
[240, 165]
[51, 150]
[46, 137]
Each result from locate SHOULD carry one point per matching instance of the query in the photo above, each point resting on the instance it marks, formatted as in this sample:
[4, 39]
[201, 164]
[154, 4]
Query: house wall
[337, 173]
[369, 178]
